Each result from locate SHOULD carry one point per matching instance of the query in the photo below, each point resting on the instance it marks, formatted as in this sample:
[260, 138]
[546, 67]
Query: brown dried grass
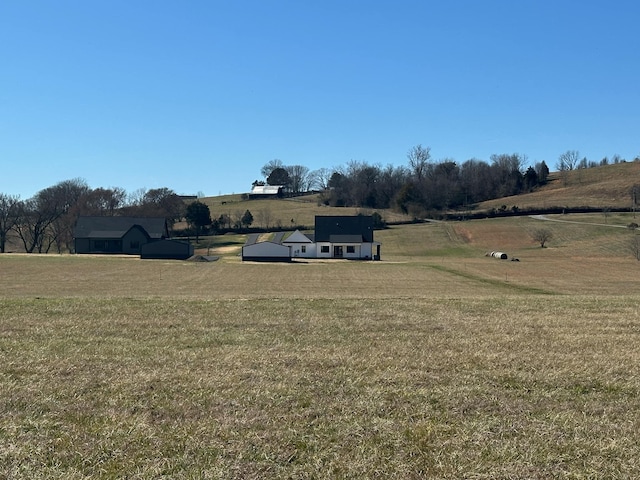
[436, 362]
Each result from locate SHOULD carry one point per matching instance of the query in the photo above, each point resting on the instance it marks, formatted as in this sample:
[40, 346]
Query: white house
[302, 245]
[349, 237]
[346, 237]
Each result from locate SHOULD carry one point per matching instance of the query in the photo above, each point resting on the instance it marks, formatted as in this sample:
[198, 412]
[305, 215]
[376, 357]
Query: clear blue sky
[199, 95]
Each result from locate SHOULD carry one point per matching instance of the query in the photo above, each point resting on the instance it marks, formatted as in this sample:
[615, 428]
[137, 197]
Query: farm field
[436, 362]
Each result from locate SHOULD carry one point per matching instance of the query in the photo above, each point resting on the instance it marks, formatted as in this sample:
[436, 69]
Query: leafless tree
[634, 246]
[265, 217]
[319, 179]
[568, 160]
[298, 177]
[542, 236]
[270, 166]
[48, 214]
[8, 216]
[136, 197]
[102, 201]
[419, 158]
[635, 194]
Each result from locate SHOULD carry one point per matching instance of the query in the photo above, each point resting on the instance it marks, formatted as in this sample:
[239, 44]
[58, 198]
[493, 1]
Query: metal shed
[266, 252]
[166, 249]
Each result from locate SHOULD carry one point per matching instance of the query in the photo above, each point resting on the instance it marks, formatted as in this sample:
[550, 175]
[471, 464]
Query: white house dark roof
[117, 227]
[346, 226]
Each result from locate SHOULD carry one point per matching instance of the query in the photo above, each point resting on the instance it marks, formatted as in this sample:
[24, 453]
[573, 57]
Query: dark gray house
[118, 234]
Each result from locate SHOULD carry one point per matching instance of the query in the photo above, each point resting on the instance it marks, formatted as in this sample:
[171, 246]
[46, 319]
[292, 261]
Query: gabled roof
[328, 226]
[117, 227]
[298, 237]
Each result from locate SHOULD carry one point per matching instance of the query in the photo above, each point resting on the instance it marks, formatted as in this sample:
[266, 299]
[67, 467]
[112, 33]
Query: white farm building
[348, 237]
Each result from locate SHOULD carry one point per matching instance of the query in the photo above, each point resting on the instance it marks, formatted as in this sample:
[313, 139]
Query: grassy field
[288, 212]
[606, 186]
[436, 362]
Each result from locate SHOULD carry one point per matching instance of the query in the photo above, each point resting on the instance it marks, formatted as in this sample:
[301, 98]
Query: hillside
[606, 186]
[286, 212]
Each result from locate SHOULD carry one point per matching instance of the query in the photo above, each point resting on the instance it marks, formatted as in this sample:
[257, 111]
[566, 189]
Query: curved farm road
[547, 219]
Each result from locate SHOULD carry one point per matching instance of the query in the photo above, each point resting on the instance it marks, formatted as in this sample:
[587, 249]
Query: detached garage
[266, 252]
[166, 249]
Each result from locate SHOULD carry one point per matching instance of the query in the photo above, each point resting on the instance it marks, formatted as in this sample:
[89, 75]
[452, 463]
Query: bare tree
[102, 201]
[634, 246]
[8, 216]
[136, 197]
[270, 166]
[48, 214]
[68, 195]
[419, 158]
[298, 176]
[32, 222]
[635, 194]
[568, 160]
[542, 236]
[265, 217]
[319, 179]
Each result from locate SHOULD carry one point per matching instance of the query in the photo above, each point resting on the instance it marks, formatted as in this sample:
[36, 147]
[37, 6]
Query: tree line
[419, 188]
[423, 187]
[46, 221]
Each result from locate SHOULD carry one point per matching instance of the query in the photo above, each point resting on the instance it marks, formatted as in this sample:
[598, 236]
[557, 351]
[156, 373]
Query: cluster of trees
[570, 160]
[420, 187]
[423, 186]
[46, 220]
[198, 216]
[295, 178]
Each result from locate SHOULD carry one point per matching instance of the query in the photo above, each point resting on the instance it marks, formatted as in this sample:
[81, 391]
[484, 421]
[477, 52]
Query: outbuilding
[266, 252]
[167, 249]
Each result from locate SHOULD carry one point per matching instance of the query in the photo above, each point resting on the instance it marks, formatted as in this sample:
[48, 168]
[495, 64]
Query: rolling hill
[606, 186]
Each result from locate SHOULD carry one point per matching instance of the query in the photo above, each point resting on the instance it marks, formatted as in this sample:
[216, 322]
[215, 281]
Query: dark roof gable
[117, 227]
[358, 225]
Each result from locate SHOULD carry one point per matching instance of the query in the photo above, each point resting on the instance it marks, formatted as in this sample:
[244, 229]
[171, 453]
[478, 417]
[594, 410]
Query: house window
[98, 244]
[303, 248]
[134, 244]
[324, 249]
[351, 249]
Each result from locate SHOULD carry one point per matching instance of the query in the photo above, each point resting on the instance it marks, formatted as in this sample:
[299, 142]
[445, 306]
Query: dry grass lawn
[436, 362]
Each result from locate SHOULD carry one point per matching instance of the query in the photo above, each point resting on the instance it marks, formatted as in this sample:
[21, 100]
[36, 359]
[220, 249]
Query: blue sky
[197, 95]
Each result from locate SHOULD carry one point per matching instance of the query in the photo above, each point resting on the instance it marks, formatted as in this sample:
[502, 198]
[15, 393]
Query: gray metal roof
[117, 227]
[252, 238]
[266, 189]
